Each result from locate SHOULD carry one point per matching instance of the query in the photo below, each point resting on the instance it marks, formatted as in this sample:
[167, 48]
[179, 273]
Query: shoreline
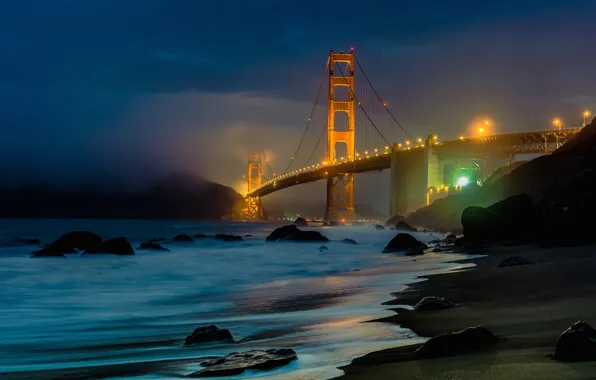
[526, 306]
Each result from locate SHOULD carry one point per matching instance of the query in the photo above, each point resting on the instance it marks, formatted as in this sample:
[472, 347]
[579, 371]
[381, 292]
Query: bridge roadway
[503, 145]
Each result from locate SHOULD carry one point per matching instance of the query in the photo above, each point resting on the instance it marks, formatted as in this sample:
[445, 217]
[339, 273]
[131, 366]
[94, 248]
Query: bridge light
[386, 147]
[461, 138]
[462, 181]
[586, 114]
[419, 139]
[481, 130]
[366, 152]
[557, 122]
[384, 104]
[408, 142]
[435, 137]
[376, 150]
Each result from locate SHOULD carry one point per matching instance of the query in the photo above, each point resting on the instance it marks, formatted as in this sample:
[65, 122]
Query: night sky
[126, 90]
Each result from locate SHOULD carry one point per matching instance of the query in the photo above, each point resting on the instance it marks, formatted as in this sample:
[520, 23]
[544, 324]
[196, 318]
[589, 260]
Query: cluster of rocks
[407, 244]
[87, 242]
[235, 363]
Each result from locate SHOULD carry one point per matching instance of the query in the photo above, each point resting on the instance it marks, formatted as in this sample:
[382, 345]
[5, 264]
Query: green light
[462, 181]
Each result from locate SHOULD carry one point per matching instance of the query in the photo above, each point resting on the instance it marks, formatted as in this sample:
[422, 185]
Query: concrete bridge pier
[413, 172]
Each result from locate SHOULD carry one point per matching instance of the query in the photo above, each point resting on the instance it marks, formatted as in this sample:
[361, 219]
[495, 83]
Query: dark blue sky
[123, 89]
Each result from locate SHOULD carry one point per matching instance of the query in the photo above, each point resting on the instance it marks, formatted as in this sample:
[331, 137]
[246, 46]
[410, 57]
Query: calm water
[121, 317]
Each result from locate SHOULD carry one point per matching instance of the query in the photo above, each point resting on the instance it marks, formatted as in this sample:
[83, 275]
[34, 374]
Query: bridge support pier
[340, 198]
[254, 209]
[413, 172]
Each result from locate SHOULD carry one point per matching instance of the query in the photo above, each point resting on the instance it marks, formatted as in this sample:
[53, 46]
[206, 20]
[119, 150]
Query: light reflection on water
[87, 311]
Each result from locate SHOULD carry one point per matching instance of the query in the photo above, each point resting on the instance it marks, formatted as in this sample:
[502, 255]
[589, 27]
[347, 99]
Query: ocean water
[107, 316]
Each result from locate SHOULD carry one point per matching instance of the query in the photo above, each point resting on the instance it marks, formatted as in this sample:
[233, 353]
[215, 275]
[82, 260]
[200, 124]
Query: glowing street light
[557, 123]
[586, 114]
[481, 130]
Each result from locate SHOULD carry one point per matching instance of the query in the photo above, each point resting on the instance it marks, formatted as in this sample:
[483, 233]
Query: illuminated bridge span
[419, 168]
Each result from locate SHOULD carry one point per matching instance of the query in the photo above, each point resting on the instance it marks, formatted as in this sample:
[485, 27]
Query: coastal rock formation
[300, 222]
[20, 241]
[78, 240]
[156, 240]
[437, 250]
[116, 246]
[225, 237]
[450, 239]
[199, 236]
[207, 334]
[403, 226]
[183, 238]
[237, 362]
[350, 241]
[49, 252]
[433, 303]
[415, 251]
[394, 220]
[292, 233]
[401, 242]
[456, 343]
[379, 227]
[514, 261]
[577, 343]
[152, 246]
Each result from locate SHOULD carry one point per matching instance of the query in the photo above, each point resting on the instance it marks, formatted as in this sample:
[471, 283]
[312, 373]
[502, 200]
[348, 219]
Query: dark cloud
[105, 86]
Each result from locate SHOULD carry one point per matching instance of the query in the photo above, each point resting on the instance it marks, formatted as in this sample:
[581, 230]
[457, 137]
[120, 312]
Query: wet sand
[527, 306]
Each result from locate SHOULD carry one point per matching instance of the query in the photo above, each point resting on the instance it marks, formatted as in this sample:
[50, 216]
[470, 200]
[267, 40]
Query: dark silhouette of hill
[560, 181]
[178, 196]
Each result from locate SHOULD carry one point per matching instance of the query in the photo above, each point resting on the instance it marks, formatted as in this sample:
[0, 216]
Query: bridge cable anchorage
[317, 144]
[312, 111]
[380, 99]
[267, 163]
[362, 108]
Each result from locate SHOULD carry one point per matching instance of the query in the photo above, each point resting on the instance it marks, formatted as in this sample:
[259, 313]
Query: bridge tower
[254, 209]
[340, 186]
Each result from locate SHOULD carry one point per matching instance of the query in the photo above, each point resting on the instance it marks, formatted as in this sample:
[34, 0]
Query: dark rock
[237, 362]
[152, 246]
[455, 343]
[514, 261]
[323, 248]
[403, 226]
[248, 235]
[379, 227]
[300, 222]
[282, 232]
[69, 243]
[305, 236]
[207, 334]
[350, 241]
[156, 240]
[394, 220]
[116, 246]
[401, 242]
[433, 303]
[457, 231]
[199, 236]
[228, 237]
[436, 250]
[451, 237]
[459, 242]
[415, 251]
[183, 238]
[577, 343]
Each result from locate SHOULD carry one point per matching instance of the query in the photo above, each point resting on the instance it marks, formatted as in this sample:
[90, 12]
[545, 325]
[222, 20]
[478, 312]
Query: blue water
[91, 313]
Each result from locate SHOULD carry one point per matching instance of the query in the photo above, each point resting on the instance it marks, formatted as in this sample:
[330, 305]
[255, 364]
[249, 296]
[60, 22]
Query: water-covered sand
[526, 306]
[116, 317]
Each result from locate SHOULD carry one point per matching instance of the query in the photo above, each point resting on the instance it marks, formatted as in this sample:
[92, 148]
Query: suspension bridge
[421, 170]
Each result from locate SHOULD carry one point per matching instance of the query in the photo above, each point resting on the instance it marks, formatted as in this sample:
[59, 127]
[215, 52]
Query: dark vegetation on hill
[177, 196]
[560, 186]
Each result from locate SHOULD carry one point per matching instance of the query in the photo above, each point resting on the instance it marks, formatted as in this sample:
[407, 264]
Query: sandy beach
[526, 306]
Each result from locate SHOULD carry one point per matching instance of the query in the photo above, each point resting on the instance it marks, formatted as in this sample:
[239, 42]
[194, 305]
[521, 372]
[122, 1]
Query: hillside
[178, 196]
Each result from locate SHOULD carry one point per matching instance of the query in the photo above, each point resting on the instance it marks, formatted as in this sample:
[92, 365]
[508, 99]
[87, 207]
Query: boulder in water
[300, 222]
[116, 246]
[379, 227]
[282, 232]
[152, 247]
[401, 242]
[156, 240]
[403, 226]
[237, 362]
[199, 236]
[577, 343]
[415, 251]
[183, 238]
[69, 243]
[225, 237]
[305, 236]
[433, 303]
[48, 252]
[514, 261]
[207, 334]
[455, 343]
[349, 241]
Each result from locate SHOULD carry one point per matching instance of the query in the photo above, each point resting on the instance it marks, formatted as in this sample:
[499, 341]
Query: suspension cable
[379, 97]
[312, 111]
[267, 162]
[317, 144]
[362, 108]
